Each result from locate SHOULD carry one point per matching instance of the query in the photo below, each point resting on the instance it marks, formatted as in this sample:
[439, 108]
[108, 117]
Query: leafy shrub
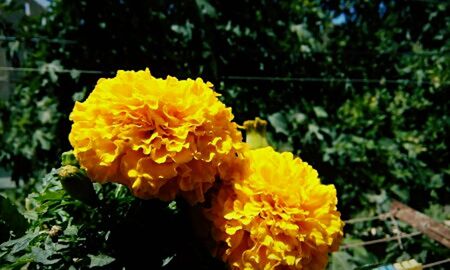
[370, 110]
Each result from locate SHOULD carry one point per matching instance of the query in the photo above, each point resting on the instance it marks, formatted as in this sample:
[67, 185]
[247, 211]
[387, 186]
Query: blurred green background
[358, 89]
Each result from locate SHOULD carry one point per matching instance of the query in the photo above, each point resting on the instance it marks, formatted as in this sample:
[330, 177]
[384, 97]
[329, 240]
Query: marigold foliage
[278, 217]
[159, 137]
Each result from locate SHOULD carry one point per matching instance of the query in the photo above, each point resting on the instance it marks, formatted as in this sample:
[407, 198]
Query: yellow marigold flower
[160, 137]
[277, 217]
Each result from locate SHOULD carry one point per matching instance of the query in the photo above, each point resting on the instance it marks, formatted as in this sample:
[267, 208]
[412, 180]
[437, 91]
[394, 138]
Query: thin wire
[312, 79]
[381, 240]
[69, 41]
[421, 53]
[316, 79]
[56, 71]
[305, 79]
[436, 263]
[363, 219]
[38, 39]
[429, 1]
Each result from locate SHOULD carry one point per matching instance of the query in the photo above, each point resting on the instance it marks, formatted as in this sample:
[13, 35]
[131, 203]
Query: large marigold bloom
[277, 217]
[160, 137]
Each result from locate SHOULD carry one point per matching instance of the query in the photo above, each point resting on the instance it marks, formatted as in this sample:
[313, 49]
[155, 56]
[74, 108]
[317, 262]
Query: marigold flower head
[277, 217]
[160, 137]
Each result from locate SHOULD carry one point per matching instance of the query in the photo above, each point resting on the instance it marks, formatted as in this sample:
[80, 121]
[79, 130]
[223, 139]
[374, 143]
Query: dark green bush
[368, 108]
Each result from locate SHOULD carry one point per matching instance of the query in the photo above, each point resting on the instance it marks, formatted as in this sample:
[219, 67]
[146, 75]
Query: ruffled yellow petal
[276, 215]
[160, 137]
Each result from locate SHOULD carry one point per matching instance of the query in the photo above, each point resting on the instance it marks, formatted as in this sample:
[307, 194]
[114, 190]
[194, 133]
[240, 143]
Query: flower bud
[68, 158]
[77, 184]
[256, 133]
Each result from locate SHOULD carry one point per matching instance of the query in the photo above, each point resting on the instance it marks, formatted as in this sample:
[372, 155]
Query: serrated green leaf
[19, 262]
[31, 215]
[279, 123]
[71, 230]
[100, 260]
[40, 255]
[20, 243]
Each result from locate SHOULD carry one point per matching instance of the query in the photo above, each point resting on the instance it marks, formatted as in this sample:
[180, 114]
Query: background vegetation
[359, 89]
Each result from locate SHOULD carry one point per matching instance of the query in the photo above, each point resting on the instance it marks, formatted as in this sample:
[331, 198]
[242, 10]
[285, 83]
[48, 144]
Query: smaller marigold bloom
[159, 137]
[278, 216]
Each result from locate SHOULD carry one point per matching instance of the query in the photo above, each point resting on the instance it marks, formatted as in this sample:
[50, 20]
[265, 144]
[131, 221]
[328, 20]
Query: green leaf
[20, 243]
[42, 139]
[3, 253]
[362, 256]
[279, 123]
[75, 74]
[436, 181]
[19, 262]
[31, 215]
[320, 112]
[100, 260]
[52, 195]
[298, 117]
[173, 206]
[314, 129]
[71, 230]
[438, 212]
[40, 255]
[53, 68]
[402, 193]
[341, 260]
[10, 220]
[45, 116]
[206, 8]
[167, 260]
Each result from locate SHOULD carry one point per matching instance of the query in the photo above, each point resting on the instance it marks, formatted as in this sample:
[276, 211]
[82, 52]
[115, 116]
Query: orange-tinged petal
[286, 217]
[154, 135]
